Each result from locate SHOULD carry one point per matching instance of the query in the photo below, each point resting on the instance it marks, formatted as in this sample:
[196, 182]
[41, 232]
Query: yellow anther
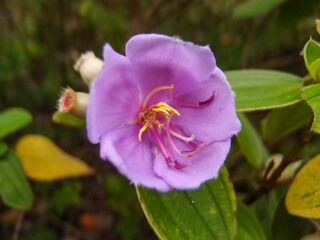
[160, 125]
[148, 116]
[145, 126]
[164, 112]
[165, 109]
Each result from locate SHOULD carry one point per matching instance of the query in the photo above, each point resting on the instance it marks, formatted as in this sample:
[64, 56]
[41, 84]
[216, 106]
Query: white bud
[88, 65]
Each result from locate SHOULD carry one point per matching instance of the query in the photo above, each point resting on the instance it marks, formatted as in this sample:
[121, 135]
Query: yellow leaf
[44, 161]
[303, 196]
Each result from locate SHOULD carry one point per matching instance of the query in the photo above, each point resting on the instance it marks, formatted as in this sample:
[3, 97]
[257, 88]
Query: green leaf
[303, 196]
[14, 188]
[68, 119]
[205, 213]
[264, 89]
[250, 143]
[264, 208]
[248, 226]
[315, 70]
[253, 8]
[312, 95]
[3, 148]
[282, 121]
[311, 52]
[288, 227]
[13, 119]
[311, 55]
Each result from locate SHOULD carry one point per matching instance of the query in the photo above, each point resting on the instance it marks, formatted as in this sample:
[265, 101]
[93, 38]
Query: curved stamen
[183, 138]
[208, 101]
[167, 155]
[193, 152]
[171, 141]
[193, 144]
[145, 126]
[179, 134]
[196, 105]
[184, 153]
[160, 142]
[178, 165]
[187, 140]
[144, 105]
[196, 149]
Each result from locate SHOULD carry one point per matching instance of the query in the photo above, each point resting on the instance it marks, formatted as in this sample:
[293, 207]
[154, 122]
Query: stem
[267, 184]
[270, 183]
[316, 224]
[18, 226]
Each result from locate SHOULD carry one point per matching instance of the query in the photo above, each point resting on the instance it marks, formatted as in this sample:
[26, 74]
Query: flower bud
[88, 65]
[74, 102]
[318, 25]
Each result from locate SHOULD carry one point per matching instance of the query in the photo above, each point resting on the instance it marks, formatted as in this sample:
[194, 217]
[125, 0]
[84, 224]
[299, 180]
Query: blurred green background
[39, 43]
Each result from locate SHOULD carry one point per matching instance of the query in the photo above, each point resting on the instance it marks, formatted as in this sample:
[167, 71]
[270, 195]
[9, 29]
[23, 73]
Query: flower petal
[215, 122]
[160, 60]
[200, 167]
[132, 157]
[114, 96]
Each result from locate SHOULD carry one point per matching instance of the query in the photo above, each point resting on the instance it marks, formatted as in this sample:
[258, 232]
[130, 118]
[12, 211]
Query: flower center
[157, 117]
[149, 116]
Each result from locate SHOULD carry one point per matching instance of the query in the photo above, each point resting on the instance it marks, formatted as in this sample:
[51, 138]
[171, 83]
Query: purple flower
[163, 114]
